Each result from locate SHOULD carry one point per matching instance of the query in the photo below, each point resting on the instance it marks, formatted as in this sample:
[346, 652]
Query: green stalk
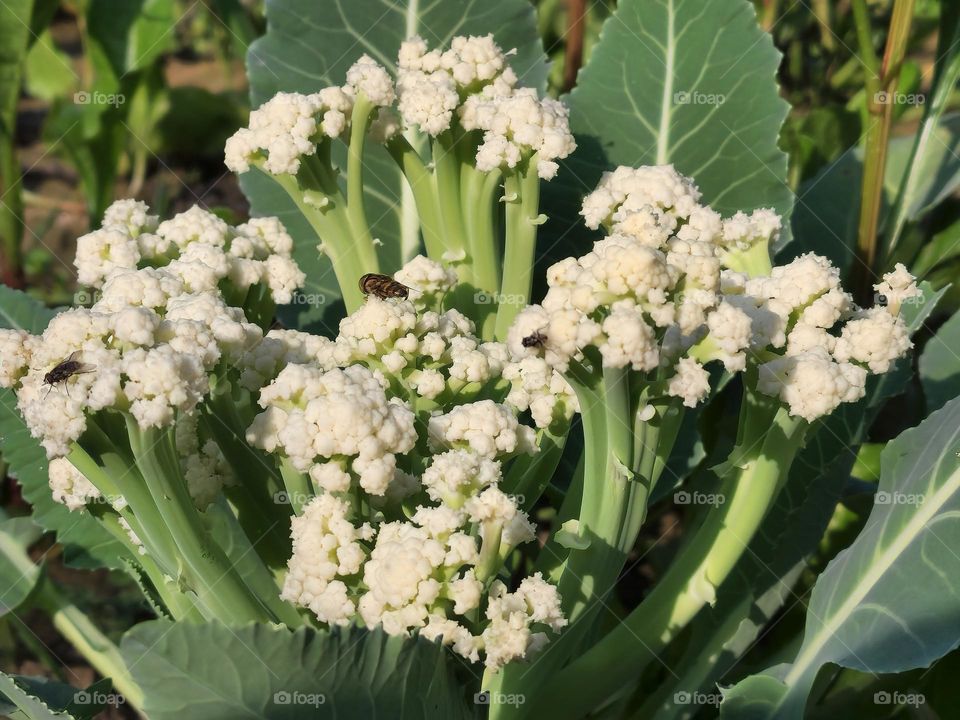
[178, 604]
[205, 567]
[114, 474]
[590, 570]
[482, 233]
[421, 184]
[447, 183]
[521, 189]
[96, 648]
[297, 486]
[880, 116]
[750, 488]
[362, 244]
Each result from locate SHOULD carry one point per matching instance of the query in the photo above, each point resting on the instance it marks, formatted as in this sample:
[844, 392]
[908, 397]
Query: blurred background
[103, 99]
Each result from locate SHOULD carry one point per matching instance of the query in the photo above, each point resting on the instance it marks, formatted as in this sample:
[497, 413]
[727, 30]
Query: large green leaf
[865, 612]
[826, 217]
[209, 672]
[85, 542]
[940, 364]
[309, 45]
[688, 82]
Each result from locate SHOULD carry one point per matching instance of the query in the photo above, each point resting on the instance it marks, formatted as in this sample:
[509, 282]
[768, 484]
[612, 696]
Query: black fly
[535, 340]
[65, 370]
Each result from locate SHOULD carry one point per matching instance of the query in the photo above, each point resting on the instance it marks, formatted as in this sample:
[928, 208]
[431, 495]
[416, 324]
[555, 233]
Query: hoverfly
[65, 370]
[535, 340]
[383, 286]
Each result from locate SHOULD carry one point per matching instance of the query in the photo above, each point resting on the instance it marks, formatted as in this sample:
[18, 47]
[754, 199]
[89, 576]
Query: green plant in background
[335, 516]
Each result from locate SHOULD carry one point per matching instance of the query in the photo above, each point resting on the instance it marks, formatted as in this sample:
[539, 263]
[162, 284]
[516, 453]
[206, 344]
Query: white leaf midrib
[666, 101]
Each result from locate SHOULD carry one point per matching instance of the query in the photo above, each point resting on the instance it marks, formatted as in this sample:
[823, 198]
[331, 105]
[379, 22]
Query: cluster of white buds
[196, 248]
[163, 321]
[663, 295]
[469, 85]
[433, 572]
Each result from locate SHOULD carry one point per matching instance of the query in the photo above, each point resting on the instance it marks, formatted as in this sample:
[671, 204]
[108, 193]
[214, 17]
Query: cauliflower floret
[313, 415]
[368, 77]
[283, 130]
[485, 427]
[325, 544]
[874, 338]
[812, 384]
[69, 486]
[691, 382]
[897, 286]
[15, 352]
[513, 616]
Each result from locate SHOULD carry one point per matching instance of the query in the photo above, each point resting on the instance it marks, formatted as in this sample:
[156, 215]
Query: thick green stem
[881, 99]
[756, 476]
[204, 566]
[484, 245]
[362, 244]
[521, 191]
[447, 182]
[321, 202]
[115, 475]
[422, 186]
